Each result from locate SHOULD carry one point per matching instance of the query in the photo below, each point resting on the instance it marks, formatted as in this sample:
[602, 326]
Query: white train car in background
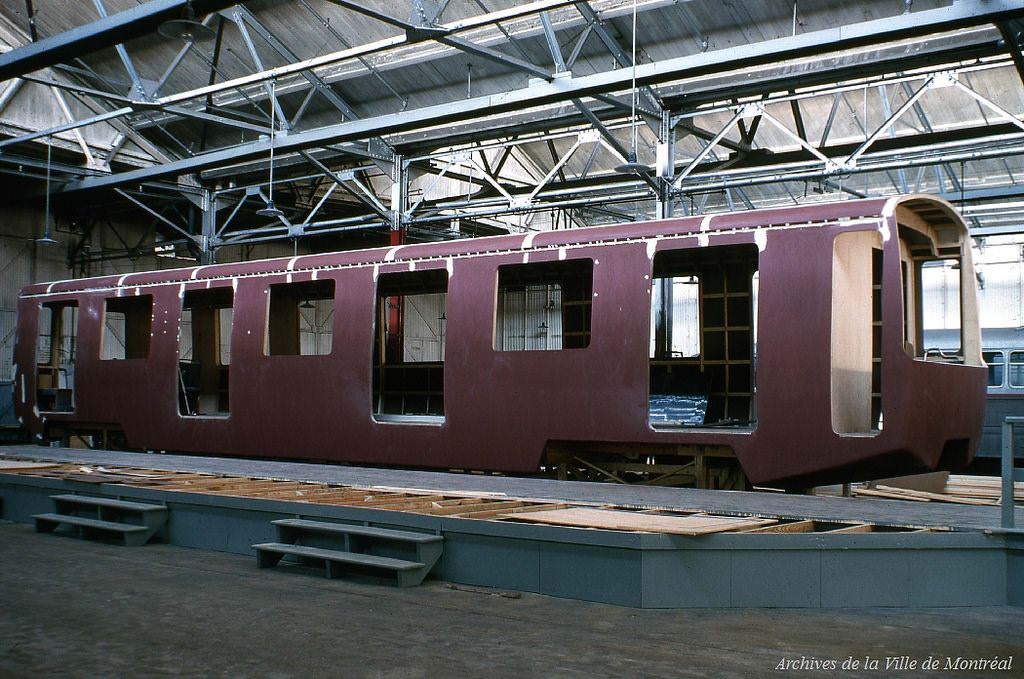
[1003, 353]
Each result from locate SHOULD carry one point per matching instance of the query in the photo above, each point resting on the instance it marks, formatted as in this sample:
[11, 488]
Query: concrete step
[408, 573]
[96, 516]
[132, 534]
[415, 547]
[113, 503]
[309, 526]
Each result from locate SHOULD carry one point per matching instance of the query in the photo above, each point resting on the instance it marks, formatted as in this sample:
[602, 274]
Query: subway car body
[788, 340]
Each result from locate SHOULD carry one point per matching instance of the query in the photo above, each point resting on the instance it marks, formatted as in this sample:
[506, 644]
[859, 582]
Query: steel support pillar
[208, 210]
[665, 166]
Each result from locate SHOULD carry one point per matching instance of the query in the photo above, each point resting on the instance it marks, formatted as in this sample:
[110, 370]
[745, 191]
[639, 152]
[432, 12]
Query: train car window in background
[1016, 372]
[409, 345]
[127, 327]
[856, 344]
[545, 306]
[56, 353]
[300, 320]
[996, 367]
[702, 337]
[204, 352]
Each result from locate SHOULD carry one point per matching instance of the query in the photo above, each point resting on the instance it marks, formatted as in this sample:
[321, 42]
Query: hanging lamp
[186, 29]
[632, 165]
[47, 239]
[271, 210]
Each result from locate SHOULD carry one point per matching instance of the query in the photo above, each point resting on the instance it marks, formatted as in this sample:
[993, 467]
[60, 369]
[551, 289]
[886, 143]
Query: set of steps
[102, 517]
[343, 548]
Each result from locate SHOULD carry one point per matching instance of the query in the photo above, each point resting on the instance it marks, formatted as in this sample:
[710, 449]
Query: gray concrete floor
[71, 608]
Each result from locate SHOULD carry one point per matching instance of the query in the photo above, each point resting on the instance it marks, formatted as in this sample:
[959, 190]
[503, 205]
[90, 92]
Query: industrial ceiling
[419, 120]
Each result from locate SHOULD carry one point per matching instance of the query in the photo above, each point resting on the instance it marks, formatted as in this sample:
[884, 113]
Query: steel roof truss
[745, 111]
[236, 16]
[319, 204]
[347, 180]
[241, 14]
[90, 160]
[977, 96]
[234, 211]
[827, 40]
[165, 220]
[365, 63]
[938, 80]
[552, 40]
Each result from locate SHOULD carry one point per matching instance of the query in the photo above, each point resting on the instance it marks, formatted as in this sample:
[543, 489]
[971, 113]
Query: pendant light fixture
[47, 239]
[271, 210]
[632, 165]
[186, 29]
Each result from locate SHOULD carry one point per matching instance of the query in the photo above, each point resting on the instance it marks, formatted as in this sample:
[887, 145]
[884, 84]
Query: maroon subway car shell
[792, 338]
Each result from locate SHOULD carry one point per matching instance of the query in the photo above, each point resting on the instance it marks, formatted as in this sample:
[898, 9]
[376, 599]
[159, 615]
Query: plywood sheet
[12, 465]
[609, 519]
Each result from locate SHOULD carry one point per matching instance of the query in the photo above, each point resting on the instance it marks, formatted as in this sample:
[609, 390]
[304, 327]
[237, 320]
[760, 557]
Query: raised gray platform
[966, 567]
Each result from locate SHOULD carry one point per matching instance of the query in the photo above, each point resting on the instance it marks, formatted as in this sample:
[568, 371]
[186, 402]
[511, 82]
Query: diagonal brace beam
[165, 220]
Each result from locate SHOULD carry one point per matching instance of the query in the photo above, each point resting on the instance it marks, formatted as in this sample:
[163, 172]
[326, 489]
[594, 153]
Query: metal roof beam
[963, 13]
[108, 31]
[417, 33]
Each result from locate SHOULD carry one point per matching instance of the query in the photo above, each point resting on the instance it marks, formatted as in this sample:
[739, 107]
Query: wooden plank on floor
[889, 495]
[469, 511]
[434, 491]
[940, 497]
[21, 465]
[498, 513]
[634, 521]
[806, 526]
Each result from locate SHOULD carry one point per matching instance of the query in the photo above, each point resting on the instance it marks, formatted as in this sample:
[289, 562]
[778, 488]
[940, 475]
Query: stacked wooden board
[959, 489]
